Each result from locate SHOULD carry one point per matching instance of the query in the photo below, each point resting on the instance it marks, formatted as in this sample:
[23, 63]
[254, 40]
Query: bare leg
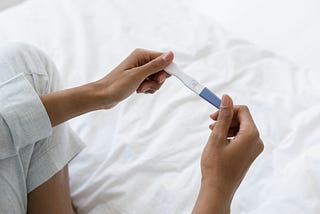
[53, 196]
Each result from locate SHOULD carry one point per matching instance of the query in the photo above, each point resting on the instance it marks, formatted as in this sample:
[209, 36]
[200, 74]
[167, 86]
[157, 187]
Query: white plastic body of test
[188, 81]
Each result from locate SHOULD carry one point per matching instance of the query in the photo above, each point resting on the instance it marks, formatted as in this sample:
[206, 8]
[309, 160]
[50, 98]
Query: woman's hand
[142, 72]
[233, 145]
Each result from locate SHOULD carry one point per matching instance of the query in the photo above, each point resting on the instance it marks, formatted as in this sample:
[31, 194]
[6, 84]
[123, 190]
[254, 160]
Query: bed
[288, 27]
[143, 156]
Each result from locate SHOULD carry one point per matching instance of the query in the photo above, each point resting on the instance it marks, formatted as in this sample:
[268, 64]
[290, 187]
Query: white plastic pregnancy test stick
[195, 86]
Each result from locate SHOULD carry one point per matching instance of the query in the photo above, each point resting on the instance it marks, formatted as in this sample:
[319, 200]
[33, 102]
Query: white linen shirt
[23, 118]
[31, 151]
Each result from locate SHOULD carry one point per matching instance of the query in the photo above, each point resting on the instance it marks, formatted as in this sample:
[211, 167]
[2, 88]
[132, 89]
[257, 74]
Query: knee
[38, 68]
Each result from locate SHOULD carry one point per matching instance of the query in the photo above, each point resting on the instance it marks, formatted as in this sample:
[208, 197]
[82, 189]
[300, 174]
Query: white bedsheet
[4, 4]
[143, 156]
[288, 27]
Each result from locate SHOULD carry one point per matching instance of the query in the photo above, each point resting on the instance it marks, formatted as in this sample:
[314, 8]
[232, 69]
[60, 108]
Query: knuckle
[260, 147]
[253, 135]
[155, 63]
[138, 51]
[252, 140]
[226, 113]
[244, 108]
[156, 87]
[216, 136]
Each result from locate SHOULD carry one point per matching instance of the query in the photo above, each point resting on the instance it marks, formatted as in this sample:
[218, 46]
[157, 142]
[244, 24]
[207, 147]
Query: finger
[259, 147]
[161, 76]
[255, 150]
[246, 123]
[248, 133]
[143, 56]
[156, 65]
[231, 132]
[223, 123]
[151, 91]
[139, 57]
[234, 123]
[214, 116]
[148, 85]
[211, 126]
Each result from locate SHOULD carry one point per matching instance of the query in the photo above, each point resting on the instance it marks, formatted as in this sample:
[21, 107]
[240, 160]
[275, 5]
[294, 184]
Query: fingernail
[144, 90]
[225, 102]
[166, 56]
[162, 78]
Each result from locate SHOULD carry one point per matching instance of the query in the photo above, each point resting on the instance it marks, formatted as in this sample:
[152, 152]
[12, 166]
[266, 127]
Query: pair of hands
[225, 160]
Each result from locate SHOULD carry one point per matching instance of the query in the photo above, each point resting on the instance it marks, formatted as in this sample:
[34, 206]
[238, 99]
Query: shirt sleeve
[23, 112]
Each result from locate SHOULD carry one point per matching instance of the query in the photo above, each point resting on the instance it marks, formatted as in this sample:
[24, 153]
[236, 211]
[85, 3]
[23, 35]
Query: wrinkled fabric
[143, 156]
[31, 151]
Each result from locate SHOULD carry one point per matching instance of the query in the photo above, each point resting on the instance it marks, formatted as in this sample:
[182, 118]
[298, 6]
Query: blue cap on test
[210, 97]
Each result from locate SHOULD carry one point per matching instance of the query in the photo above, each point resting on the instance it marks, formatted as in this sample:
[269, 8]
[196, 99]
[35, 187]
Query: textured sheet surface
[143, 156]
[4, 4]
[289, 27]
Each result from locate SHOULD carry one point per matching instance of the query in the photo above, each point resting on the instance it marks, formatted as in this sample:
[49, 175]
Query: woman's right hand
[232, 147]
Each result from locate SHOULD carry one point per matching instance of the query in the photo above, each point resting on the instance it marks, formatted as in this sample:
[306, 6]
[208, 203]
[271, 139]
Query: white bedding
[288, 27]
[143, 156]
[4, 4]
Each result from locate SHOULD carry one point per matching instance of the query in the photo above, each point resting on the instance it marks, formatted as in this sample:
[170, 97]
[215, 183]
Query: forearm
[66, 104]
[212, 201]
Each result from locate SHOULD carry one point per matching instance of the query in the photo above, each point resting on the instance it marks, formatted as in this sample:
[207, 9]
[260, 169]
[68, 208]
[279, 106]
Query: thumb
[224, 120]
[157, 64]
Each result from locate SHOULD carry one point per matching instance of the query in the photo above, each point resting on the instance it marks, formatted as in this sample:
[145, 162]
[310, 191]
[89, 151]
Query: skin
[53, 196]
[225, 162]
[142, 72]
[223, 165]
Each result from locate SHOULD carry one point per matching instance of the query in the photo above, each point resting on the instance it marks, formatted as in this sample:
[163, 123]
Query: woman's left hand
[142, 71]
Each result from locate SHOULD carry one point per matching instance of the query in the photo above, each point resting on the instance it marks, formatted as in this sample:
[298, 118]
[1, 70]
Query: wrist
[102, 98]
[220, 193]
[66, 104]
[213, 199]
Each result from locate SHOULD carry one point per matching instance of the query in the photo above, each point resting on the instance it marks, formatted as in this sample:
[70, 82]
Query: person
[36, 145]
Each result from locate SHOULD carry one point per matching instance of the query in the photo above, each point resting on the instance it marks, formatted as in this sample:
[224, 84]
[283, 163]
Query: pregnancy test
[193, 85]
